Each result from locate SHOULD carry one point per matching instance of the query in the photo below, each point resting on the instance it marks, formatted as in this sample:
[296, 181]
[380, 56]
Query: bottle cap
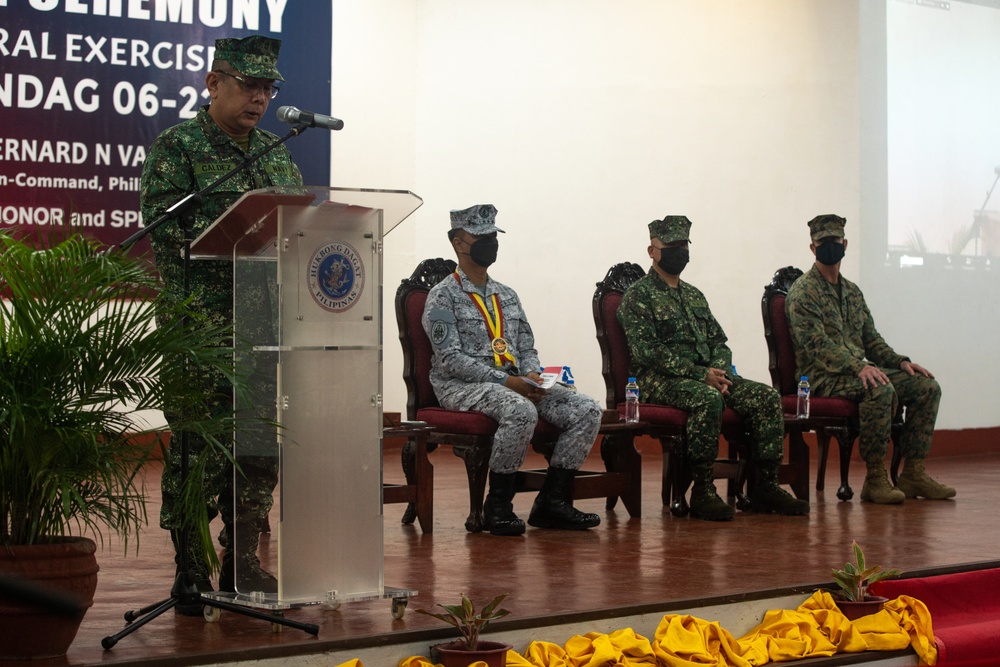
[630, 380]
[804, 378]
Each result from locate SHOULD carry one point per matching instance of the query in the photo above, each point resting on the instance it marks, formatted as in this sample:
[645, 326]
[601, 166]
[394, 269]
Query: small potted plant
[854, 579]
[468, 649]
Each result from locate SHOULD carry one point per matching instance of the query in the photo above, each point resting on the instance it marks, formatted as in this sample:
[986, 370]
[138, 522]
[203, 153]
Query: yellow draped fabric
[419, 661]
[816, 628]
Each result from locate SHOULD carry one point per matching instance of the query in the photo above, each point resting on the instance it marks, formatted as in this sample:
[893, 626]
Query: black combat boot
[240, 564]
[498, 509]
[553, 508]
[705, 501]
[198, 581]
[769, 498]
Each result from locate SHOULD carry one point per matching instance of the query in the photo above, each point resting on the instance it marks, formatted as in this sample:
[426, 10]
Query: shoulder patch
[442, 323]
[439, 332]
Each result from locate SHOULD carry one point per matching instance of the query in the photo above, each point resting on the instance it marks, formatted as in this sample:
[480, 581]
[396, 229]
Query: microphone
[295, 116]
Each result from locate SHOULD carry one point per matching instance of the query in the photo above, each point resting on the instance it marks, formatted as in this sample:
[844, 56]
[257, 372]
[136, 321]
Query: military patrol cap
[671, 228]
[478, 220]
[254, 56]
[826, 225]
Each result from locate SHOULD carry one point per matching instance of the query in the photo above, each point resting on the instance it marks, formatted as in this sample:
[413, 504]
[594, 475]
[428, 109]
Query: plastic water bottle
[802, 403]
[631, 401]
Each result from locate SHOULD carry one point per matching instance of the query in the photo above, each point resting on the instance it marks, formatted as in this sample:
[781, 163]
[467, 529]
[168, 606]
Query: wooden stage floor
[653, 562]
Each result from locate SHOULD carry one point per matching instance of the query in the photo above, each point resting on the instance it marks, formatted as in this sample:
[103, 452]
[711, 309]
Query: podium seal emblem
[336, 276]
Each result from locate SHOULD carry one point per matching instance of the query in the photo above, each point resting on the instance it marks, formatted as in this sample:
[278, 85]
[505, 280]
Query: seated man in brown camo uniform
[839, 349]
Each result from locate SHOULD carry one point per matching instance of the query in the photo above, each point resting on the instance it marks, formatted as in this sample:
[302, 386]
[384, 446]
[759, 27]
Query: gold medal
[499, 346]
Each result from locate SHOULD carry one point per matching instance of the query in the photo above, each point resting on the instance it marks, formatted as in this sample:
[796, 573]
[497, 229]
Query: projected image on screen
[943, 103]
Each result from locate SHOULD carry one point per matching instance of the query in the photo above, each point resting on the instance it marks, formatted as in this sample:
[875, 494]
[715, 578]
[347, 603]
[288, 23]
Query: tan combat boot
[877, 488]
[915, 482]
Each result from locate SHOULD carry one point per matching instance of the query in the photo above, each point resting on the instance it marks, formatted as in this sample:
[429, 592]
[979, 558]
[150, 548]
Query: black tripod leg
[133, 614]
[310, 628]
[150, 612]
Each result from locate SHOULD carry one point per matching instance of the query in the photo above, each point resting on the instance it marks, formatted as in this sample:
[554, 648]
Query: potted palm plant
[470, 623]
[853, 580]
[81, 363]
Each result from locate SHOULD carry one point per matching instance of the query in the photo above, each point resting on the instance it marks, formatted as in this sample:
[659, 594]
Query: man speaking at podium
[183, 160]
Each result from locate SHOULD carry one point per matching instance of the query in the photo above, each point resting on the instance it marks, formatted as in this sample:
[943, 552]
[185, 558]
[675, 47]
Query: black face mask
[673, 260]
[484, 251]
[830, 253]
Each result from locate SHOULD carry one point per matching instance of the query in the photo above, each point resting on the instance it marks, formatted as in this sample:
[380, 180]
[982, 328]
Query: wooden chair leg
[676, 476]
[408, 455]
[667, 447]
[736, 483]
[620, 455]
[846, 442]
[823, 443]
[425, 485]
[798, 460]
[610, 458]
[477, 468]
[680, 483]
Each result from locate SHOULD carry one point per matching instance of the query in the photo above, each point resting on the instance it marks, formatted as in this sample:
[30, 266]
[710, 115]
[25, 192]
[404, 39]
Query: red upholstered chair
[664, 423]
[837, 417]
[470, 433]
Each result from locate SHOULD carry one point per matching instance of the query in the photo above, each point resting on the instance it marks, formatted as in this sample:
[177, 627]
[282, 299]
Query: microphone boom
[295, 116]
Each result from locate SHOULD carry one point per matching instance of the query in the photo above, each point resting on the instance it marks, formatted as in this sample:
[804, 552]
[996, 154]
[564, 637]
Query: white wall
[583, 120]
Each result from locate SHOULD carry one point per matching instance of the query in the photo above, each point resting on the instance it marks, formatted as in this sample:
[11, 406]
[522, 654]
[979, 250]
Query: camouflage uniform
[182, 160]
[674, 339]
[835, 338]
[465, 377]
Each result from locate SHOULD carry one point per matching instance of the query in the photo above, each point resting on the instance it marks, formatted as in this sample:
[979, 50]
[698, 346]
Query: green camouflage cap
[253, 56]
[671, 228]
[826, 225]
[478, 220]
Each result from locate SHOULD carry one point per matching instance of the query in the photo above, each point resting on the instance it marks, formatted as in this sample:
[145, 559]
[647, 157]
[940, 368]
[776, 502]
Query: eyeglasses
[248, 87]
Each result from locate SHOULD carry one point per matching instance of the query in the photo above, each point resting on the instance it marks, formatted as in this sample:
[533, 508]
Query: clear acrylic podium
[307, 319]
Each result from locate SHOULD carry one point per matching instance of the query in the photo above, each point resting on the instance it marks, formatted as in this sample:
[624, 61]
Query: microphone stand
[184, 591]
[974, 231]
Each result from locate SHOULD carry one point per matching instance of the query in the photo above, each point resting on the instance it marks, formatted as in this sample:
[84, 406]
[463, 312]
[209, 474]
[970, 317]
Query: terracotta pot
[28, 627]
[494, 654]
[855, 609]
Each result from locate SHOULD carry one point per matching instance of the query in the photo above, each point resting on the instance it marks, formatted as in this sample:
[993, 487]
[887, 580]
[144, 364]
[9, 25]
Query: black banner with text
[86, 85]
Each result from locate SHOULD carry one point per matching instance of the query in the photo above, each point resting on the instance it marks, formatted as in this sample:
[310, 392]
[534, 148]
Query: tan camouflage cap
[671, 228]
[478, 220]
[254, 56]
[826, 225]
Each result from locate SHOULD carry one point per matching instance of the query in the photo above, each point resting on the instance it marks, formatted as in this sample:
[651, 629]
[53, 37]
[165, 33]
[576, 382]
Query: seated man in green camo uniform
[839, 349]
[680, 358]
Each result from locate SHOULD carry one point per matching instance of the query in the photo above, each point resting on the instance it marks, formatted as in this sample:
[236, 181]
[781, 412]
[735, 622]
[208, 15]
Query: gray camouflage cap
[826, 225]
[671, 228]
[254, 56]
[478, 220]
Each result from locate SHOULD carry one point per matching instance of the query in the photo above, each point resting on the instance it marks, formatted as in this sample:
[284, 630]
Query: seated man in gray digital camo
[485, 360]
